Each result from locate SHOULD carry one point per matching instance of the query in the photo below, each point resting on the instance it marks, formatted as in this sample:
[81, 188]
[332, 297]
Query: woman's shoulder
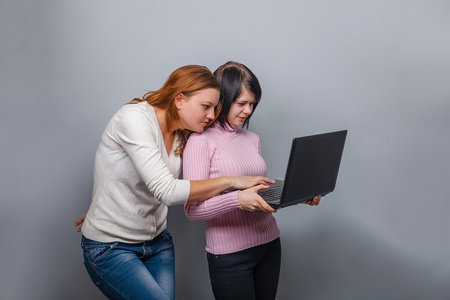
[133, 108]
[208, 137]
[141, 110]
[248, 134]
[196, 137]
[135, 116]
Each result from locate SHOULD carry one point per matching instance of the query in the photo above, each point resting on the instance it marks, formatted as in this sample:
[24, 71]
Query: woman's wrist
[230, 182]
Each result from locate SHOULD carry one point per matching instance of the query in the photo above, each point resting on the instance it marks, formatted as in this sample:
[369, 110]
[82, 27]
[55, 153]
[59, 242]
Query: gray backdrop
[377, 68]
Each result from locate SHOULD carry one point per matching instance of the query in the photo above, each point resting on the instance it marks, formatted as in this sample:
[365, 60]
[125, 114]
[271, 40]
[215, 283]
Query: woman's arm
[221, 204]
[138, 136]
[206, 188]
[212, 208]
[196, 167]
[135, 131]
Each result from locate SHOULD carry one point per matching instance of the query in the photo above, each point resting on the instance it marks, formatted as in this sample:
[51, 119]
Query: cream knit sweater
[134, 179]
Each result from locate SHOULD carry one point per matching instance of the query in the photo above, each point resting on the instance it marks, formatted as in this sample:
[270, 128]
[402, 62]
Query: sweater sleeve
[137, 135]
[196, 166]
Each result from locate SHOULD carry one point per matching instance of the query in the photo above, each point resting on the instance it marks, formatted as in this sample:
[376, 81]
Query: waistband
[86, 241]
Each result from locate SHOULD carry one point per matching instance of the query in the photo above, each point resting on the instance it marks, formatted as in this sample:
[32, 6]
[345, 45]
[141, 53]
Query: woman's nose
[211, 114]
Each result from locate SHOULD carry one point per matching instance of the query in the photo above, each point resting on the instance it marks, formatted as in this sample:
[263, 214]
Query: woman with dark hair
[243, 247]
[128, 251]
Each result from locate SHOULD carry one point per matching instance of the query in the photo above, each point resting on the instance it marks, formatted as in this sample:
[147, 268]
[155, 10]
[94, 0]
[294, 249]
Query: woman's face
[241, 108]
[197, 110]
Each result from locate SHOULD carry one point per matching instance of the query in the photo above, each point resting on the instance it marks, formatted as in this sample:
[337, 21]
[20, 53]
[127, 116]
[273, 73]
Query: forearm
[212, 208]
[204, 189]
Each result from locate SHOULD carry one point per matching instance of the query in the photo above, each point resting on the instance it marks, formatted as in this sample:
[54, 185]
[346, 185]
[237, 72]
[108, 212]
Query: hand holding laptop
[251, 201]
[314, 201]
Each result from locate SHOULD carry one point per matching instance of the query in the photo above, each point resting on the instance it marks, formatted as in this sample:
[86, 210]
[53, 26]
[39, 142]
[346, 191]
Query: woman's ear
[179, 100]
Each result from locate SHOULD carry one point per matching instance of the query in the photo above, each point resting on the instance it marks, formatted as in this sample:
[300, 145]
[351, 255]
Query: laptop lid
[313, 167]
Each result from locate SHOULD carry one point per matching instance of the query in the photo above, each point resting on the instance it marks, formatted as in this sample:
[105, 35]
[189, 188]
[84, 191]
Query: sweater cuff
[235, 200]
[185, 189]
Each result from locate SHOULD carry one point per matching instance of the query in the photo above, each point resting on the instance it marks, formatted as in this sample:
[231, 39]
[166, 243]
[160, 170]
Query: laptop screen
[313, 166]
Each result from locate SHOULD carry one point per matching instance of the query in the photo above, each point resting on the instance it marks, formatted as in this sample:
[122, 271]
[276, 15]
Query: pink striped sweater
[234, 152]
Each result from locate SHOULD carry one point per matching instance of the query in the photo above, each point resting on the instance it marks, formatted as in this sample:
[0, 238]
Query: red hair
[186, 80]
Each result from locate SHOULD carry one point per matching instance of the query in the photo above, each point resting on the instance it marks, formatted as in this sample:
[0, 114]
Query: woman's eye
[206, 106]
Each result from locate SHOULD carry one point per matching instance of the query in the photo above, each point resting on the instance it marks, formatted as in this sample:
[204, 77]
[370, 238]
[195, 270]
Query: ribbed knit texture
[234, 152]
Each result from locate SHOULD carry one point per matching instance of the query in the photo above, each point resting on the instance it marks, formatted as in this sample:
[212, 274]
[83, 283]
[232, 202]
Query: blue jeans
[132, 271]
[250, 274]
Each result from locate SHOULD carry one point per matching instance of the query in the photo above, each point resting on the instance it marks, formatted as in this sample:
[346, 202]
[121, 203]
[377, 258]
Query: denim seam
[106, 282]
[98, 259]
[93, 265]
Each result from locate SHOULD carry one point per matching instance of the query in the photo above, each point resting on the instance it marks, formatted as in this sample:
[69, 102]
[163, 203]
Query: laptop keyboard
[271, 195]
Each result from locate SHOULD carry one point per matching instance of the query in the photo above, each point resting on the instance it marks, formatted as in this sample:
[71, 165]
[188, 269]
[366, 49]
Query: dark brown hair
[232, 77]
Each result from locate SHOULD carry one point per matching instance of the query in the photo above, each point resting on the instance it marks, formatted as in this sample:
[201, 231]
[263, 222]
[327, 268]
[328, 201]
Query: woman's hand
[250, 200]
[80, 222]
[314, 201]
[245, 182]
[206, 188]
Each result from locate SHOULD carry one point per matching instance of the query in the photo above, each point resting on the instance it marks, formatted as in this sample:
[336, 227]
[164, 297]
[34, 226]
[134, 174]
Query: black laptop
[312, 169]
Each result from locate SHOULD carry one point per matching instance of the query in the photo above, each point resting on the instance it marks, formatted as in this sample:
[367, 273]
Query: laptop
[312, 170]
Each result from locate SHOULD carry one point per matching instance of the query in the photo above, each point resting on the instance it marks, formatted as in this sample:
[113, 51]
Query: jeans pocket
[95, 253]
[167, 236]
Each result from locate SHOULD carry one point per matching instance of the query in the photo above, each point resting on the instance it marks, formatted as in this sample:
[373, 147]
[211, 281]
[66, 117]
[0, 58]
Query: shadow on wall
[191, 266]
[344, 262]
[336, 260]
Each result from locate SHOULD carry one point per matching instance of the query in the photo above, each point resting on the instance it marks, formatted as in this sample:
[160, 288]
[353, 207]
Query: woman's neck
[167, 134]
[161, 117]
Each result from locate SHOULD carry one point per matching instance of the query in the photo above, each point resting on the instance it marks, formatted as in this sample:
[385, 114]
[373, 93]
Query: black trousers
[250, 274]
